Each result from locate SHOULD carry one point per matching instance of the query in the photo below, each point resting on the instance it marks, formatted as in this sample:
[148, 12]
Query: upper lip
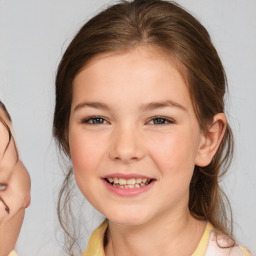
[126, 176]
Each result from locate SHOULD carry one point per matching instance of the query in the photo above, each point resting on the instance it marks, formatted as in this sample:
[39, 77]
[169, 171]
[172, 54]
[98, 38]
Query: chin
[128, 218]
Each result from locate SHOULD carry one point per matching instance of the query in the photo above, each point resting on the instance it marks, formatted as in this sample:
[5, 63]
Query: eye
[94, 120]
[3, 187]
[159, 120]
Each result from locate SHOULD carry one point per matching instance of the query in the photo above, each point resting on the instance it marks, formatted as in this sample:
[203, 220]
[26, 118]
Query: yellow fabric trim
[95, 245]
[12, 253]
[202, 246]
[246, 251]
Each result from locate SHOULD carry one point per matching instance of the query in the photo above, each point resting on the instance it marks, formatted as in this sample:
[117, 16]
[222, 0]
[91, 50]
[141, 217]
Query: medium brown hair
[166, 26]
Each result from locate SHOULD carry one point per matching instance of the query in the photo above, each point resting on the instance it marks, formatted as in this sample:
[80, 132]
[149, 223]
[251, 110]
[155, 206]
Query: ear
[211, 140]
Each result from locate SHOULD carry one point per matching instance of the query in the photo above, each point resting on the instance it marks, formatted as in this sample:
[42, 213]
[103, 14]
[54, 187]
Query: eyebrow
[144, 107]
[97, 105]
[162, 104]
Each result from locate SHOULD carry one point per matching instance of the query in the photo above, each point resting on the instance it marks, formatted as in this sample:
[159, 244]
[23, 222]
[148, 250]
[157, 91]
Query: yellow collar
[202, 246]
[96, 241]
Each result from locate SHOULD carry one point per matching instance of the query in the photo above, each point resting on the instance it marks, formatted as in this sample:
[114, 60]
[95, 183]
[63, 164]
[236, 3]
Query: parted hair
[168, 27]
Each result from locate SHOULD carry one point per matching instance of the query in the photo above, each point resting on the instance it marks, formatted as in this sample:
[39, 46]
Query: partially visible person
[14, 186]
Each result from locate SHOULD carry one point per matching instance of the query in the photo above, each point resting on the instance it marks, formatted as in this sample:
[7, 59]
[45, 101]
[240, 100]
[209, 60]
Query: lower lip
[128, 192]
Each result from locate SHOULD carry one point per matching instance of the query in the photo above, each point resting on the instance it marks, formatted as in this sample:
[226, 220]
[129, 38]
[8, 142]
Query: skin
[130, 91]
[16, 195]
[8, 158]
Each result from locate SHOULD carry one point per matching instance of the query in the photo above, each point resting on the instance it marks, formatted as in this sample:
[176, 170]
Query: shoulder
[223, 245]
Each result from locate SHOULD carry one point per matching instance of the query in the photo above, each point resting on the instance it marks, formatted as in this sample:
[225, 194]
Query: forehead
[149, 50]
[142, 67]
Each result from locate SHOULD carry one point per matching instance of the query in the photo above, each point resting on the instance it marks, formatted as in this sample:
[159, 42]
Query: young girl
[140, 112]
[14, 187]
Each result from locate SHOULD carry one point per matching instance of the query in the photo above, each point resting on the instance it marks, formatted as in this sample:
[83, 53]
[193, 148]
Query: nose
[126, 145]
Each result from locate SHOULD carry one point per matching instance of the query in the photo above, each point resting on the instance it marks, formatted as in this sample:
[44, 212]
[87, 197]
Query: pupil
[98, 121]
[159, 121]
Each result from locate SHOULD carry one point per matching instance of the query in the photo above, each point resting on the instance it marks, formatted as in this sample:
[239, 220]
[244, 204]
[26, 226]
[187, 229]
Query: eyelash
[98, 120]
[160, 120]
[92, 120]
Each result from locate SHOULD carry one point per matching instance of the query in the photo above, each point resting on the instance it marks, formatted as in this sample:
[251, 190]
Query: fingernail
[2, 187]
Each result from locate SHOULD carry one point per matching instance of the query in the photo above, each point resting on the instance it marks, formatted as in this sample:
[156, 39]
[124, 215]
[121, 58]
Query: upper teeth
[132, 181]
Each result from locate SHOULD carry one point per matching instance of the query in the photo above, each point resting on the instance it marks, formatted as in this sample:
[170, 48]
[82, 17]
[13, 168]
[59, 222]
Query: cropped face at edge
[8, 153]
[134, 137]
[13, 174]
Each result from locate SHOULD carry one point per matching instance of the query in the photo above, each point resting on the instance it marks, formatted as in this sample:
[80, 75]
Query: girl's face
[15, 189]
[134, 137]
[13, 175]
[8, 155]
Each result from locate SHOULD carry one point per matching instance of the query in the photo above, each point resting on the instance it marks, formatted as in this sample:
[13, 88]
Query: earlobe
[211, 140]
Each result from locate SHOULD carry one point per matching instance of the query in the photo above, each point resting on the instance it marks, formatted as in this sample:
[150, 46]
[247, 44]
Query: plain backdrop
[34, 35]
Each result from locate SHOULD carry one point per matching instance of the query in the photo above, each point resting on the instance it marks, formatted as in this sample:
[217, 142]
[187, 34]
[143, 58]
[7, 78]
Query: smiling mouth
[128, 183]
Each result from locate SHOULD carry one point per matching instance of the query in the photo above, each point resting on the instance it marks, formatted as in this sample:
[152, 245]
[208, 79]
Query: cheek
[83, 160]
[82, 155]
[174, 152]
[174, 159]
[86, 153]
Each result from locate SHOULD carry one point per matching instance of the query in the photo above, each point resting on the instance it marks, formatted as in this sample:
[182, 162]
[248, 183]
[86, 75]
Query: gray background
[33, 36]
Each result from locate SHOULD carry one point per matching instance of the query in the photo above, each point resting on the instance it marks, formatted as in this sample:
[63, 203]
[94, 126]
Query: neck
[164, 235]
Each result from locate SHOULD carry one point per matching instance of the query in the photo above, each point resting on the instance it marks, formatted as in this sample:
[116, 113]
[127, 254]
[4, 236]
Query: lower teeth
[130, 186]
